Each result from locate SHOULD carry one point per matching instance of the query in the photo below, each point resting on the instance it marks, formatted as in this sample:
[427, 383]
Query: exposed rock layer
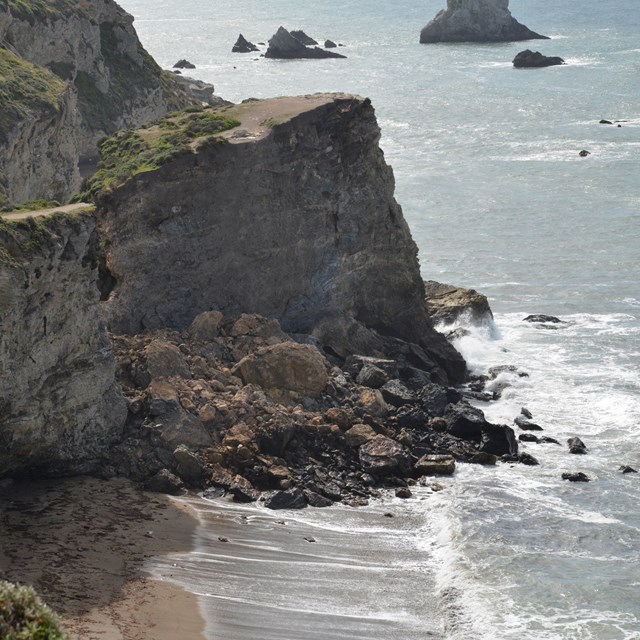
[60, 406]
[476, 21]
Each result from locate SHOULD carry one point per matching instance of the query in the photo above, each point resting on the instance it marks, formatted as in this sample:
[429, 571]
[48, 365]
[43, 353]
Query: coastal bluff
[290, 214]
[73, 72]
[476, 21]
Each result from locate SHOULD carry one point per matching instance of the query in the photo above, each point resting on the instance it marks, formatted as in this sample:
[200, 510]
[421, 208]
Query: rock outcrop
[285, 46]
[528, 59]
[93, 47]
[291, 215]
[242, 45]
[446, 303]
[60, 406]
[476, 21]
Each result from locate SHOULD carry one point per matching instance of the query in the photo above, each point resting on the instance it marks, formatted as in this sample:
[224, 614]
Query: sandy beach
[82, 543]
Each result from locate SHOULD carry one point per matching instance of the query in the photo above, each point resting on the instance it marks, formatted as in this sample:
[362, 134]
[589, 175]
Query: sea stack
[285, 46]
[476, 21]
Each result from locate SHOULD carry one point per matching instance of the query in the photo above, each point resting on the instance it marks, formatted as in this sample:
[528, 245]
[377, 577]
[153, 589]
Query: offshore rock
[283, 45]
[534, 59]
[303, 37]
[333, 250]
[242, 45]
[184, 64]
[476, 21]
[446, 303]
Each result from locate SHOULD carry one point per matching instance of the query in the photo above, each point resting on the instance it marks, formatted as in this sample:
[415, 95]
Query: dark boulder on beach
[498, 440]
[465, 421]
[285, 46]
[184, 64]
[242, 45]
[476, 21]
[382, 456]
[290, 499]
[576, 446]
[528, 59]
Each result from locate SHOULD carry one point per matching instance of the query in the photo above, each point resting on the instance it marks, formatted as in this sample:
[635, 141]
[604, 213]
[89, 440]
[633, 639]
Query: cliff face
[59, 404]
[476, 21]
[290, 215]
[38, 132]
[93, 47]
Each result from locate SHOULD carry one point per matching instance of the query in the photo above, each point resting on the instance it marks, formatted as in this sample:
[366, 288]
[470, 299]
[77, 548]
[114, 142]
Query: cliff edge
[476, 21]
[288, 213]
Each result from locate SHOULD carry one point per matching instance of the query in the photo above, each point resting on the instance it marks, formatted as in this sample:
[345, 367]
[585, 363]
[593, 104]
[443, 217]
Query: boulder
[547, 440]
[446, 303]
[184, 64]
[165, 482]
[382, 456]
[188, 465]
[396, 394]
[576, 446]
[242, 490]
[476, 21]
[316, 500]
[541, 318]
[372, 402]
[404, 493]
[528, 437]
[627, 469]
[498, 440]
[162, 397]
[206, 326]
[576, 477]
[465, 421]
[584, 153]
[283, 45]
[526, 425]
[165, 360]
[359, 434]
[289, 499]
[286, 368]
[528, 459]
[242, 45]
[372, 376]
[180, 427]
[528, 59]
[430, 465]
[330, 44]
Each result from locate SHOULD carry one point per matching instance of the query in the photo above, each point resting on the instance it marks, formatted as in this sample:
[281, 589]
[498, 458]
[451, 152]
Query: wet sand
[82, 543]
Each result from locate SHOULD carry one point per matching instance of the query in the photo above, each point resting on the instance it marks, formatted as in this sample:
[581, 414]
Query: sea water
[488, 173]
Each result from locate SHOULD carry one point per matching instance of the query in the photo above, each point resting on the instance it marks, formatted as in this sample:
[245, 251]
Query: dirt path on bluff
[67, 208]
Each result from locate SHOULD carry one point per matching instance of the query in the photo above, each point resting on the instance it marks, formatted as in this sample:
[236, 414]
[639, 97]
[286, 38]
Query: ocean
[488, 173]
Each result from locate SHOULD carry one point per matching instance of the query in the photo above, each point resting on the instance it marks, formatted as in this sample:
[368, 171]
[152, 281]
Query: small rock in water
[576, 446]
[548, 440]
[576, 477]
[329, 44]
[534, 59]
[526, 413]
[584, 153]
[404, 492]
[539, 317]
[222, 539]
[184, 64]
[389, 515]
[605, 122]
[528, 459]
[528, 437]
[309, 539]
[627, 469]
[525, 425]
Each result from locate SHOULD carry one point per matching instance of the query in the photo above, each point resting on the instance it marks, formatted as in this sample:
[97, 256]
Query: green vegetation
[128, 153]
[23, 615]
[39, 10]
[25, 88]
[31, 205]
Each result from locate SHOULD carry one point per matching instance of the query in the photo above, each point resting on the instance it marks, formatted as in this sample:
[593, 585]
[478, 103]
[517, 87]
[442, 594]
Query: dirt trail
[67, 208]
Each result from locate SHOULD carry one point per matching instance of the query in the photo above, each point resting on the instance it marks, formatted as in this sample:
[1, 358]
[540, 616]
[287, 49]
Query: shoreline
[82, 543]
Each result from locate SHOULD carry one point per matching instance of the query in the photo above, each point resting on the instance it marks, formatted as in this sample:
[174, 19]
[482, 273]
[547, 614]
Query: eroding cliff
[111, 83]
[290, 214]
[60, 406]
[476, 21]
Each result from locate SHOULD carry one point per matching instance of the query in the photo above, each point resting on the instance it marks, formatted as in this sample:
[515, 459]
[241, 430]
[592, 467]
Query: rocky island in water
[233, 305]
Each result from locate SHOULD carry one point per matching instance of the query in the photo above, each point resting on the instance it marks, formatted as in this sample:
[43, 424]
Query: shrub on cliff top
[32, 10]
[129, 153]
[23, 615]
